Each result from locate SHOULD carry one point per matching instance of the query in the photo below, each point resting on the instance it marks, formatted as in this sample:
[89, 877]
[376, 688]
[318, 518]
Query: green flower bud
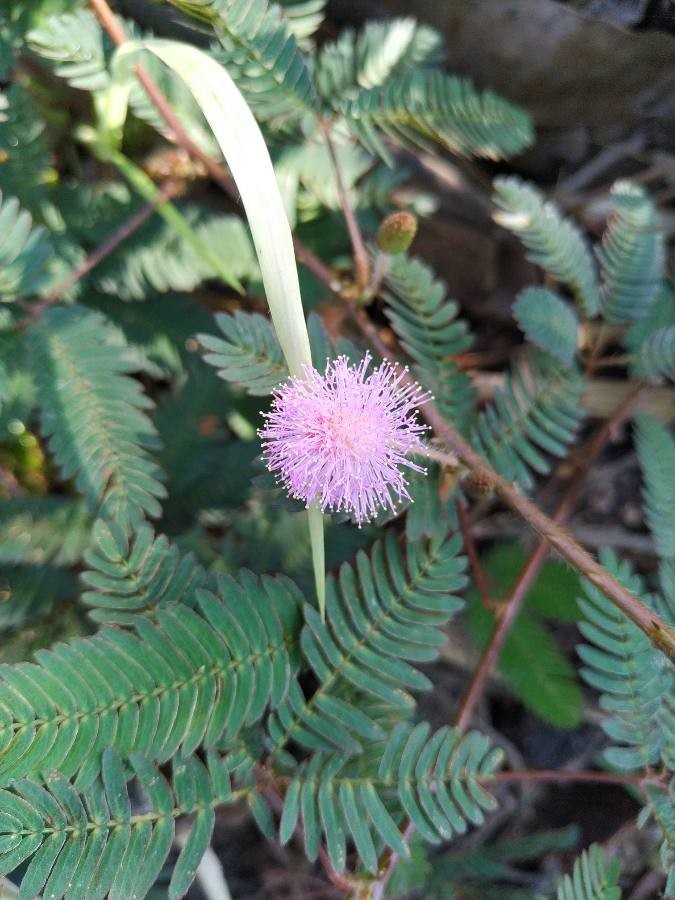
[397, 232]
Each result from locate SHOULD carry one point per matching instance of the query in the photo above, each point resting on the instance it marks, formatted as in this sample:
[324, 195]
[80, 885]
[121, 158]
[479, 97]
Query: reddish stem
[508, 612]
[559, 776]
[479, 575]
[361, 259]
[105, 249]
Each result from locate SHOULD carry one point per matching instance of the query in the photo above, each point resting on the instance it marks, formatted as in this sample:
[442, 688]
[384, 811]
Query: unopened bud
[478, 485]
[397, 232]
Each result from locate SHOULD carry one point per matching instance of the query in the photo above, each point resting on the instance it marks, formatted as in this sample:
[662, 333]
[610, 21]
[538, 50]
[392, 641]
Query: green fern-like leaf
[178, 95]
[637, 684]
[547, 322]
[650, 340]
[25, 171]
[162, 260]
[593, 878]
[100, 843]
[661, 809]
[656, 454]
[304, 18]
[426, 323]
[631, 255]
[423, 108]
[656, 356]
[553, 242]
[75, 44]
[382, 614]
[24, 250]
[380, 51]
[432, 779]
[533, 417]
[179, 679]
[94, 414]
[125, 579]
[249, 355]
[261, 53]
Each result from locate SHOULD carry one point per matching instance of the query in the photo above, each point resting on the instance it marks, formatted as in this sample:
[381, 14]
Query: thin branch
[479, 575]
[109, 21]
[126, 229]
[506, 616]
[561, 776]
[361, 259]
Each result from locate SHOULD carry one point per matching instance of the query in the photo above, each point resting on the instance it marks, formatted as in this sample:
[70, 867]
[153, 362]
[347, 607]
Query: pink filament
[341, 438]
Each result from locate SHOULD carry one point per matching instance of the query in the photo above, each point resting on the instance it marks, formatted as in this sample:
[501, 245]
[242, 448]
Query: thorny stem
[657, 630]
[361, 260]
[509, 610]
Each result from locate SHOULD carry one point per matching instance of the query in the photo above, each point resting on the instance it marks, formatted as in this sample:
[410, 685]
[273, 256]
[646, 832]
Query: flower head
[340, 438]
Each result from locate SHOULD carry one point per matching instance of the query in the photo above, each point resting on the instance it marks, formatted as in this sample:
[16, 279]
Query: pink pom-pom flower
[341, 438]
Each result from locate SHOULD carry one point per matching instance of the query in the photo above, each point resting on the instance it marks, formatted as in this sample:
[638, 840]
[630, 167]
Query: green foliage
[533, 666]
[23, 251]
[303, 17]
[631, 255]
[637, 685]
[261, 53]
[426, 107]
[95, 844]
[553, 242]
[380, 51]
[656, 454]
[432, 779]
[160, 684]
[249, 355]
[661, 808]
[426, 323]
[547, 322]
[534, 416]
[164, 261]
[382, 614]
[649, 339]
[179, 679]
[486, 871]
[124, 580]
[94, 415]
[74, 43]
[25, 169]
[657, 354]
[593, 878]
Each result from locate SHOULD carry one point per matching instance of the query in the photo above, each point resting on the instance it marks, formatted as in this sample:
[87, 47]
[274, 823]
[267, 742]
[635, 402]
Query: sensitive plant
[171, 646]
